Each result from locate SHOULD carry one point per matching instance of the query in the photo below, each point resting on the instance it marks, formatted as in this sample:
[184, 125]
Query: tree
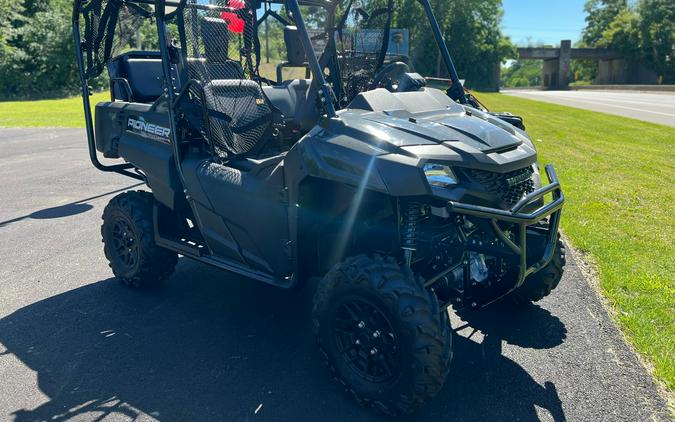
[643, 33]
[600, 14]
[622, 34]
[37, 51]
[656, 28]
[10, 17]
[41, 60]
[475, 39]
[522, 73]
[472, 33]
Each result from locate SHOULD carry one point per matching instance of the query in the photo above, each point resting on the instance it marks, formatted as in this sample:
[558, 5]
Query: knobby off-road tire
[129, 244]
[382, 334]
[540, 284]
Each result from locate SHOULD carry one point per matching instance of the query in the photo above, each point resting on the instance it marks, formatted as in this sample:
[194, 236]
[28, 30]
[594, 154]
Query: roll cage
[94, 44]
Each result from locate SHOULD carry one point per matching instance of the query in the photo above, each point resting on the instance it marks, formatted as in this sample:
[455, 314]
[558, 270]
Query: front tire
[129, 243]
[540, 284]
[382, 334]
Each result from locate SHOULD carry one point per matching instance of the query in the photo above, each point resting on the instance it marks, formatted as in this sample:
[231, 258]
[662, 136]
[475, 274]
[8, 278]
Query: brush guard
[523, 221]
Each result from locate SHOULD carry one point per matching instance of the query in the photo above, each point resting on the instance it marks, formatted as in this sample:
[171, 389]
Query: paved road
[650, 107]
[75, 345]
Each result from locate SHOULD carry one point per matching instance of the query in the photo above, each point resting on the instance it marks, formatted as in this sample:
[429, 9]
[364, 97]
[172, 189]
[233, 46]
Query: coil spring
[408, 233]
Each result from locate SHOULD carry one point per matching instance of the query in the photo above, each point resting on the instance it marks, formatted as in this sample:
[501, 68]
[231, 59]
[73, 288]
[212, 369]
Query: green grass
[67, 112]
[618, 176]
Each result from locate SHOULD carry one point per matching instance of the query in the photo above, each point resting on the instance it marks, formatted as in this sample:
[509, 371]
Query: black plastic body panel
[249, 200]
[136, 132]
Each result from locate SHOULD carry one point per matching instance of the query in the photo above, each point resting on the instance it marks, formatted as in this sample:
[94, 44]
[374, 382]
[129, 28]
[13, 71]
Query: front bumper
[522, 221]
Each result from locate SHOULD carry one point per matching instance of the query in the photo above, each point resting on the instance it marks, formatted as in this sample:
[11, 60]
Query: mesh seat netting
[110, 28]
[362, 40]
[219, 54]
[238, 114]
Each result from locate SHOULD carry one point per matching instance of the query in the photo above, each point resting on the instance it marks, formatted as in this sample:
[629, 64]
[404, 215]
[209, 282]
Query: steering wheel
[389, 75]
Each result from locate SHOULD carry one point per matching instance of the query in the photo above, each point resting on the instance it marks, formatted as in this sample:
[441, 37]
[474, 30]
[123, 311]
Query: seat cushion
[203, 70]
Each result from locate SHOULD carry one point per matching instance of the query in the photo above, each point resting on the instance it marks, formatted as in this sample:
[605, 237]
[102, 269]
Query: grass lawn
[67, 112]
[618, 176]
[619, 179]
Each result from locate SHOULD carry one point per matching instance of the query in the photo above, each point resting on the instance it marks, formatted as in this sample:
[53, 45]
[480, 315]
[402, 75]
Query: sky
[546, 22]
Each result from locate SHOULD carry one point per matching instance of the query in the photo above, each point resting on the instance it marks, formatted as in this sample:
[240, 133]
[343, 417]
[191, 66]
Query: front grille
[509, 187]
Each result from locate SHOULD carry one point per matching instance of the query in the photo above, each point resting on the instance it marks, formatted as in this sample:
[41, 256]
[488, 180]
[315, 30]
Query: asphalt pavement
[655, 107]
[208, 345]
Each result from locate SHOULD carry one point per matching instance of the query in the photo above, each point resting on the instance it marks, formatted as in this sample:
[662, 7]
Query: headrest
[214, 35]
[294, 49]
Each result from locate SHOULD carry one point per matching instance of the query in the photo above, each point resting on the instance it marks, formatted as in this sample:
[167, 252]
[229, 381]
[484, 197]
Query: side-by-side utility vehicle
[401, 200]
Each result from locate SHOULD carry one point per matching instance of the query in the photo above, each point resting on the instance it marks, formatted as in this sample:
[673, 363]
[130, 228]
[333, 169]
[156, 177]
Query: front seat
[239, 117]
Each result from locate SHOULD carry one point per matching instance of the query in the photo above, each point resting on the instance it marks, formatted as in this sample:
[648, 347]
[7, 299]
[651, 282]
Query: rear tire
[540, 284]
[382, 334]
[129, 244]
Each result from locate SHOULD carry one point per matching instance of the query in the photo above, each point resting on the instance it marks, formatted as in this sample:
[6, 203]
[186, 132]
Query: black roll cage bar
[456, 91]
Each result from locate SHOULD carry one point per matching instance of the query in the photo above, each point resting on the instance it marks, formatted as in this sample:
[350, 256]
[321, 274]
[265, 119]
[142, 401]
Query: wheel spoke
[348, 348]
[352, 313]
[124, 243]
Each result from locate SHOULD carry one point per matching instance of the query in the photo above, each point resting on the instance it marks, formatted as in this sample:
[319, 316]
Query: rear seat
[142, 71]
[145, 77]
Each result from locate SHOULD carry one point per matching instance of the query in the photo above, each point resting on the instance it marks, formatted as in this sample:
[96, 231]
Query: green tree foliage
[471, 30]
[10, 18]
[522, 73]
[583, 71]
[643, 32]
[475, 39]
[37, 52]
[656, 29]
[599, 15]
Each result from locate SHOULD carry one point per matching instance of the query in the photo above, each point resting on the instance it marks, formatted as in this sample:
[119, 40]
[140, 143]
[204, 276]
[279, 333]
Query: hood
[428, 117]
[465, 138]
[474, 132]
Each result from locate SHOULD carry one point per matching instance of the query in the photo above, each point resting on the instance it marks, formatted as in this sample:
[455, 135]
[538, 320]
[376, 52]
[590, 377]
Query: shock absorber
[410, 214]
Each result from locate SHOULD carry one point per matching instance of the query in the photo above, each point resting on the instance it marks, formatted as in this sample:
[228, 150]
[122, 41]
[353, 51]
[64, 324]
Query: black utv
[400, 199]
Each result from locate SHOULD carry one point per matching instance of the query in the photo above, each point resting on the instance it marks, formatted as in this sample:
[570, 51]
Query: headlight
[439, 175]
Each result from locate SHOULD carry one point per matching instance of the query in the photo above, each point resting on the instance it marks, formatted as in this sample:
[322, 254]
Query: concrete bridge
[613, 68]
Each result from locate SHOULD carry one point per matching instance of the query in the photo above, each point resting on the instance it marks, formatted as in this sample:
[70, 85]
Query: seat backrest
[213, 62]
[239, 116]
[145, 77]
[214, 36]
[295, 52]
[143, 72]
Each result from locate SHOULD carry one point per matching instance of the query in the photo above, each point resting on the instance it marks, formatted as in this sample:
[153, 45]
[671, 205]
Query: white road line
[615, 106]
[623, 107]
[608, 98]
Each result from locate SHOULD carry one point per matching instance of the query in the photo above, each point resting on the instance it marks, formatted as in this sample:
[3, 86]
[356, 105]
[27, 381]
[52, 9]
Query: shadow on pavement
[65, 210]
[211, 346]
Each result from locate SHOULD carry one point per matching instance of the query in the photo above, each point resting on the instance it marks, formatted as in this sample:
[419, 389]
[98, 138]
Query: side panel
[140, 136]
[252, 207]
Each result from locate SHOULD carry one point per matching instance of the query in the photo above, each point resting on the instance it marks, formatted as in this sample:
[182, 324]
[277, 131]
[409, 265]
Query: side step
[199, 253]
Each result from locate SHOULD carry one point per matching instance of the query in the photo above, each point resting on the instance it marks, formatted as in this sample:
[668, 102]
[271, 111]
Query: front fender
[344, 159]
